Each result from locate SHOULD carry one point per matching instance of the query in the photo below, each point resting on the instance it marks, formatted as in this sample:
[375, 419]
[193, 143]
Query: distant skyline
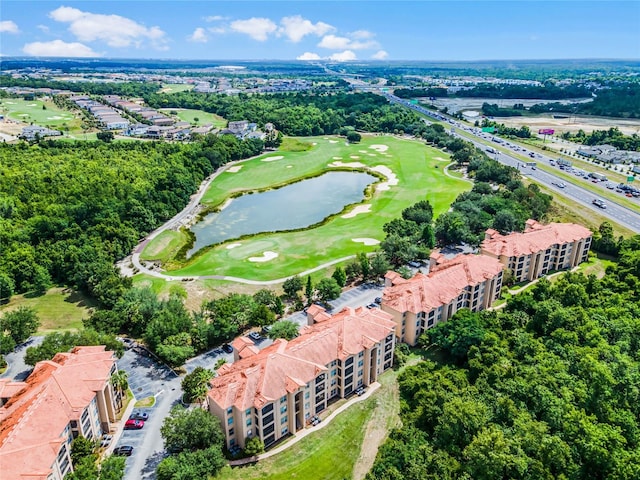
[314, 30]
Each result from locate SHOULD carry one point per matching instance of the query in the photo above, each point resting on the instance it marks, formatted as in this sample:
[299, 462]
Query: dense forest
[616, 101]
[68, 211]
[127, 89]
[301, 114]
[547, 388]
[548, 91]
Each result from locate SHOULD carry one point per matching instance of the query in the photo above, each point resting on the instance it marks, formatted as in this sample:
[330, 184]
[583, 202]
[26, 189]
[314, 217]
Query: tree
[309, 290]
[112, 468]
[283, 329]
[7, 288]
[292, 286]
[328, 289]
[190, 430]
[196, 465]
[105, 137]
[253, 446]
[365, 266]
[20, 323]
[195, 384]
[81, 447]
[379, 265]
[353, 137]
[505, 222]
[340, 276]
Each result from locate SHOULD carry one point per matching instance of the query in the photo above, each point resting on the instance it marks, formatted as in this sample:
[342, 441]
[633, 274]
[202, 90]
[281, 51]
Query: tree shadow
[77, 298]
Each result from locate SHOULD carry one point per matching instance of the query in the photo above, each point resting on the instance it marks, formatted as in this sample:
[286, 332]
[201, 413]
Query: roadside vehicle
[599, 203]
[125, 450]
[255, 336]
[560, 184]
[227, 348]
[133, 424]
[139, 416]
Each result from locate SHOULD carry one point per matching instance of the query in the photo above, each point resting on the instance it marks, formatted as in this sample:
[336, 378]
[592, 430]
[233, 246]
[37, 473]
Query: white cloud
[115, 30]
[257, 28]
[379, 55]
[213, 18]
[58, 48]
[362, 34]
[345, 56]
[9, 26]
[43, 28]
[199, 35]
[308, 56]
[217, 30]
[334, 42]
[297, 27]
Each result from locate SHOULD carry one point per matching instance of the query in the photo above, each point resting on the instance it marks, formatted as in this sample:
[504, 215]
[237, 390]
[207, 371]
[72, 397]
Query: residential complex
[275, 391]
[539, 249]
[63, 398]
[419, 303]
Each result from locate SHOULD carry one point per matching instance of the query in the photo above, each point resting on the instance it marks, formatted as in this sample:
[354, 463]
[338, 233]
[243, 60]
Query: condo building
[539, 249]
[419, 303]
[273, 392]
[68, 396]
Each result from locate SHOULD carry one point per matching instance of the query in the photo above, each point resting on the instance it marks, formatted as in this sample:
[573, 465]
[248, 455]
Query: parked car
[266, 329]
[227, 348]
[360, 391]
[255, 336]
[315, 420]
[372, 305]
[105, 441]
[139, 416]
[378, 300]
[133, 424]
[125, 450]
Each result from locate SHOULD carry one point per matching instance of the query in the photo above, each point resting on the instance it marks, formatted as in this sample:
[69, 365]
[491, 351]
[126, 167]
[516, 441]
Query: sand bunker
[337, 158]
[355, 157]
[55, 117]
[266, 256]
[362, 151]
[348, 164]
[289, 166]
[273, 159]
[441, 159]
[32, 105]
[379, 148]
[233, 245]
[314, 143]
[330, 141]
[357, 210]
[391, 177]
[234, 169]
[366, 241]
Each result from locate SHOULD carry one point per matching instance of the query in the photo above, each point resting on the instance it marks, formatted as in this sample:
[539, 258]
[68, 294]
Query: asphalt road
[618, 213]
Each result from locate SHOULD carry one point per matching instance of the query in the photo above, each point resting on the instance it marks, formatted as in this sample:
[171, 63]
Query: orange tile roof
[244, 347]
[33, 421]
[535, 238]
[446, 281]
[286, 366]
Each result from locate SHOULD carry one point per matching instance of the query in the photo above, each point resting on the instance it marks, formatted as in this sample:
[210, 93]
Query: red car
[133, 424]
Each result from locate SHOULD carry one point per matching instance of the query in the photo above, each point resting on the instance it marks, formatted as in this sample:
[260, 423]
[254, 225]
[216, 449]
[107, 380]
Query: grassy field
[190, 115]
[29, 111]
[419, 171]
[333, 453]
[164, 246]
[175, 88]
[58, 309]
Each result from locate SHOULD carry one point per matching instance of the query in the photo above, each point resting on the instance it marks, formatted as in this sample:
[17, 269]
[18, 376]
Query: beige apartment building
[419, 303]
[273, 392]
[539, 249]
[68, 396]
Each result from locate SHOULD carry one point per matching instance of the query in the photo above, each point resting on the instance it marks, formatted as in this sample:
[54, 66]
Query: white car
[560, 184]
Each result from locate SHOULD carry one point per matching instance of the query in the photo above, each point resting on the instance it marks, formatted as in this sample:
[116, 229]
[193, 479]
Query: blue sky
[340, 30]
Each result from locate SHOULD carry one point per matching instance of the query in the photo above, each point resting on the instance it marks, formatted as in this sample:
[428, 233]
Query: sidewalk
[306, 431]
[119, 428]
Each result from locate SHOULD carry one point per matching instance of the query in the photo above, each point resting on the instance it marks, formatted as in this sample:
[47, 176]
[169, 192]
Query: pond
[294, 206]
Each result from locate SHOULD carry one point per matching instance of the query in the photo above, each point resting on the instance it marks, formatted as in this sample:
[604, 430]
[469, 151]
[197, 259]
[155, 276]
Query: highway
[617, 213]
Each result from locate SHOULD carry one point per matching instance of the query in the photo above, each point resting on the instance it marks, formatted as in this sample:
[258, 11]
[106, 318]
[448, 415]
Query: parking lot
[148, 378]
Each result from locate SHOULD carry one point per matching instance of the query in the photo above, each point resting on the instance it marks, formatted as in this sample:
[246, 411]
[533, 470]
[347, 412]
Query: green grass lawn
[58, 309]
[419, 170]
[190, 115]
[333, 452]
[30, 111]
[164, 246]
[175, 88]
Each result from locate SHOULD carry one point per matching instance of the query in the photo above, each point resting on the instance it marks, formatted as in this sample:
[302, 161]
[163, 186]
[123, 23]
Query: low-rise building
[68, 396]
[32, 132]
[275, 391]
[539, 249]
[419, 303]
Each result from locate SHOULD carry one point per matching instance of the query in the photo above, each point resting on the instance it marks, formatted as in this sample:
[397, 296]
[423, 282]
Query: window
[307, 405]
[248, 422]
[348, 371]
[333, 372]
[360, 372]
[306, 396]
[349, 361]
[269, 429]
[229, 410]
[248, 412]
[267, 408]
[230, 421]
[283, 420]
[283, 409]
[283, 399]
[320, 377]
[361, 354]
[231, 432]
[268, 419]
[284, 430]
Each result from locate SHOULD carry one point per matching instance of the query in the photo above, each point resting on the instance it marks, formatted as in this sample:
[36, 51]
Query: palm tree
[120, 383]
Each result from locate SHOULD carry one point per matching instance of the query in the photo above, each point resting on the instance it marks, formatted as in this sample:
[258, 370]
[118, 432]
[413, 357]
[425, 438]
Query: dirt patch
[573, 123]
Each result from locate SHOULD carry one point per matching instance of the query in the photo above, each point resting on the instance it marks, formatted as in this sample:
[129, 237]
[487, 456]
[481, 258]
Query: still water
[294, 206]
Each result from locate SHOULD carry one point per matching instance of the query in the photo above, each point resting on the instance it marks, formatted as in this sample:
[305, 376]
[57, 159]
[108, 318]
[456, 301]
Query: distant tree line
[301, 114]
[125, 89]
[612, 101]
[613, 136]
